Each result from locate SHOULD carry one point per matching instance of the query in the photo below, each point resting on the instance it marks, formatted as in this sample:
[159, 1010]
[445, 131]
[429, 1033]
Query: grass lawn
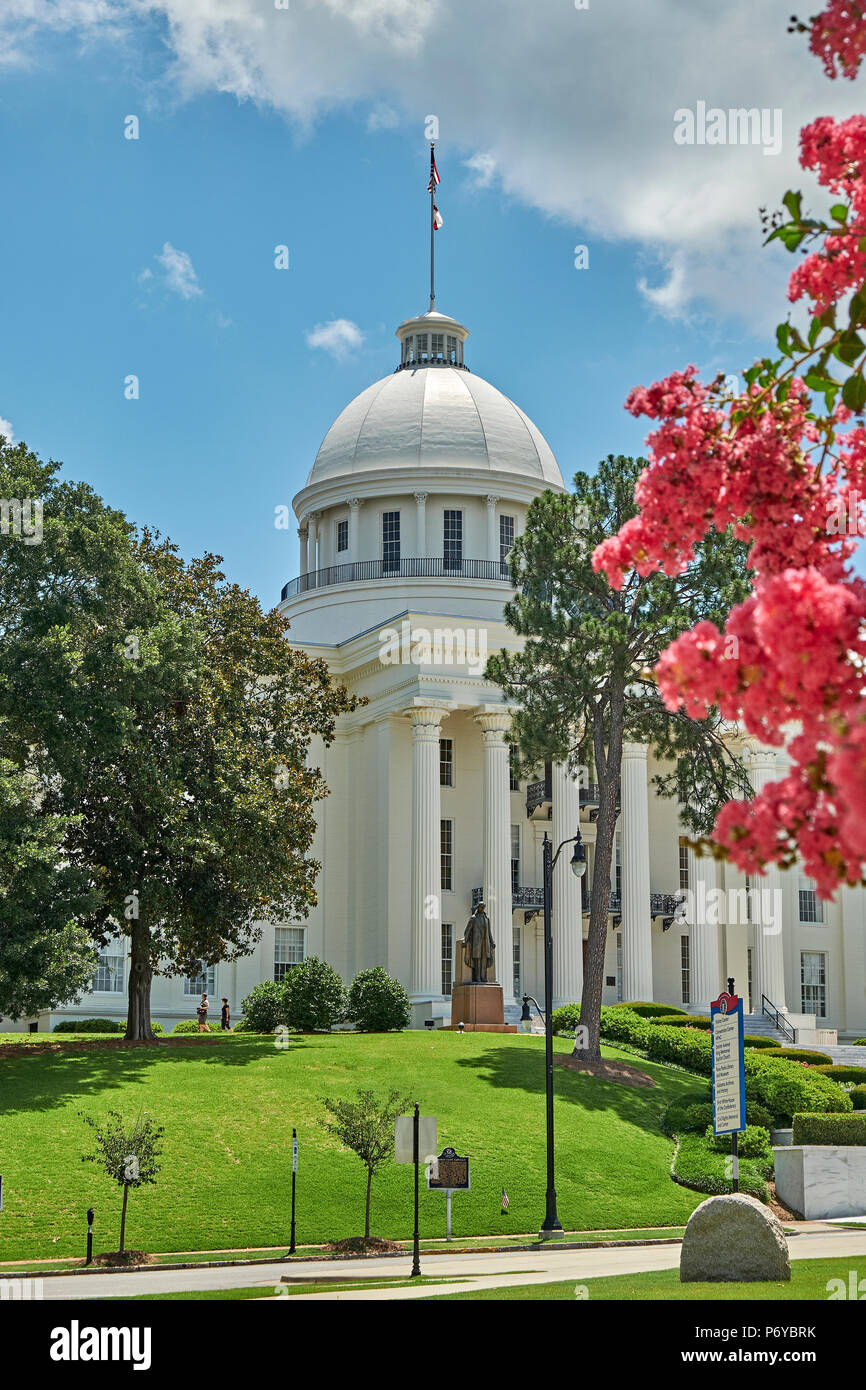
[270, 1291]
[808, 1284]
[228, 1112]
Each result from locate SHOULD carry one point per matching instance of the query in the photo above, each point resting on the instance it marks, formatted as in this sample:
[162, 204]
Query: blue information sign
[729, 1073]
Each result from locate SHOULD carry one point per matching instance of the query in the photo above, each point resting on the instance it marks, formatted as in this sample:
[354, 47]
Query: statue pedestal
[479, 1008]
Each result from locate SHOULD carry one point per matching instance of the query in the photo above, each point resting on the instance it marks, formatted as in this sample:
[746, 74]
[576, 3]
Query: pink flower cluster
[838, 38]
[792, 657]
[837, 153]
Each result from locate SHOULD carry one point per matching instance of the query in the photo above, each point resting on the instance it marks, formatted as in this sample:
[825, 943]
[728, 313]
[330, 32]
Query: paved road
[519, 1267]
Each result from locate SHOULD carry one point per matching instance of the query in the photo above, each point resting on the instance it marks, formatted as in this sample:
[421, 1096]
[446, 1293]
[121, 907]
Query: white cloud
[383, 117]
[482, 167]
[339, 336]
[7, 430]
[180, 275]
[572, 109]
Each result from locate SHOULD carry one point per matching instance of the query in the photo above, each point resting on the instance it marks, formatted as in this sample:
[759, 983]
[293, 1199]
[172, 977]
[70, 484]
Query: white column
[313, 547]
[704, 917]
[637, 969]
[497, 840]
[567, 906]
[425, 973]
[768, 962]
[492, 529]
[354, 508]
[421, 524]
[303, 535]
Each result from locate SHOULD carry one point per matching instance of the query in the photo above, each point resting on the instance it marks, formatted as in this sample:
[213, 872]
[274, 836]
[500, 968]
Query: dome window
[422, 347]
[342, 535]
[437, 348]
[452, 349]
[390, 542]
[453, 538]
[409, 350]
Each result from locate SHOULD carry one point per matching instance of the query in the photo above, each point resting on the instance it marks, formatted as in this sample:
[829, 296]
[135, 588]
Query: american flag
[504, 1200]
[434, 174]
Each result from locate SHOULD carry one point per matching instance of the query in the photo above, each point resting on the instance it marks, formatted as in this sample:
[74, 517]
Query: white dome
[429, 417]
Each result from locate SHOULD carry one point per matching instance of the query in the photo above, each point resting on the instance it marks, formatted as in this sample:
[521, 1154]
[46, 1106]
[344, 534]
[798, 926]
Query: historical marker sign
[453, 1172]
[729, 1075]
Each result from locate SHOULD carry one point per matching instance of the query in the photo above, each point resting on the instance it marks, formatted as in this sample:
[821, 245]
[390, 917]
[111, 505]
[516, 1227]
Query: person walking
[226, 1017]
[202, 1009]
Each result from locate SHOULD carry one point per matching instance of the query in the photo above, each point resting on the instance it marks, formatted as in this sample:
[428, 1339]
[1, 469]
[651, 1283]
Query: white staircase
[759, 1025]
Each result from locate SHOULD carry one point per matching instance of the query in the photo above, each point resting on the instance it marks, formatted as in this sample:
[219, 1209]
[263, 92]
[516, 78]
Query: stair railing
[779, 1019]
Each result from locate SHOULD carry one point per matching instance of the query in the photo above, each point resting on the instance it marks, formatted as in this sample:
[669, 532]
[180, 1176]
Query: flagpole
[432, 227]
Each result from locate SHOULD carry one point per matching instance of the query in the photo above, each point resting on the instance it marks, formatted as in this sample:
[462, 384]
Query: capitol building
[405, 523]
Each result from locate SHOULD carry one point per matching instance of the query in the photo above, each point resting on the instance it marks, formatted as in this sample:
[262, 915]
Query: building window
[619, 967]
[516, 963]
[108, 975]
[205, 983]
[749, 977]
[506, 537]
[749, 898]
[447, 957]
[684, 969]
[446, 839]
[515, 858]
[437, 351]
[288, 950]
[342, 535]
[513, 778]
[390, 542]
[453, 539]
[813, 983]
[452, 348]
[421, 347]
[811, 906]
[409, 350]
[446, 762]
[685, 883]
[617, 871]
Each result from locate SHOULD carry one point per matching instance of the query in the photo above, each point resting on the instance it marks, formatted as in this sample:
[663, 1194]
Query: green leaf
[849, 348]
[816, 382]
[839, 212]
[793, 202]
[854, 393]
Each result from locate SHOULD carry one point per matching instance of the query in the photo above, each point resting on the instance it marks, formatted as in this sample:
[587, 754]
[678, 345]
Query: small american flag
[504, 1200]
[434, 174]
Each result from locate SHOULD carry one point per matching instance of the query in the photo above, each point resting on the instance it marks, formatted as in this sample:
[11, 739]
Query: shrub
[264, 1008]
[698, 1165]
[754, 1142]
[757, 1115]
[785, 1088]
[155, 1026]
[314, 996]
[684, 1021]
[377, 1003]
[829, 1129]
[683, 1117]
[649, 1010]
[89, 1025]
[755, 1040]
[186, 1025]
[566, 1019]
[843, 1073]
[801, 1054]
[858, 1097]
[244, 1026]
[859, 1042]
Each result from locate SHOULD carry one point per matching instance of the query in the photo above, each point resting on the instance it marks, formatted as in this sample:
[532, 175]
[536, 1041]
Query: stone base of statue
[479, 1008]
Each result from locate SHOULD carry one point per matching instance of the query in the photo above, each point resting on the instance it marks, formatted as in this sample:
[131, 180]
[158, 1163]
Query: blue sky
[234, 402]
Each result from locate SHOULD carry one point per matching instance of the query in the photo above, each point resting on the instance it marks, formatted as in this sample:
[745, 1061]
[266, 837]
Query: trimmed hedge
[802, 1054]
[755, 1040]
[859, 1042]
[842, 1073]
[650, 1010]
[858, 1097]
[99, 1025]
[780, 1086]
[684, 1021]
[89, 1025]
[829, 1129]
[186, 1025]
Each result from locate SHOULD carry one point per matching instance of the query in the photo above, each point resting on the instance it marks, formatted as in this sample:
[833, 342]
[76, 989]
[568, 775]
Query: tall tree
[167, 721]
[582, 680]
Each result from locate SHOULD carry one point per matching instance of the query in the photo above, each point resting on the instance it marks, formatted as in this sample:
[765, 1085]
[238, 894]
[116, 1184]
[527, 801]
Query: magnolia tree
[783, 462]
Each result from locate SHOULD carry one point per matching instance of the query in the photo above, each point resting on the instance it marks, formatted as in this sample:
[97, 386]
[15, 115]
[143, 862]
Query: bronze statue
[478, 945]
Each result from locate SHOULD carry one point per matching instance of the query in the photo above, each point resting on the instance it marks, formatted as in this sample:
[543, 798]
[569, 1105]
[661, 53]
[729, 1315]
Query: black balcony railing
[661, 904]
[520, 897]
[363, 571]
[539, 794]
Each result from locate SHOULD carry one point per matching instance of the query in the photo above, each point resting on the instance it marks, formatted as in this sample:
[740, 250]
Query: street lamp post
[551, 1228]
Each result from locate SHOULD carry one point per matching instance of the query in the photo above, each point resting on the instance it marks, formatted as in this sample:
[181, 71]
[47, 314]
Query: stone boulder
[732, 1239]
